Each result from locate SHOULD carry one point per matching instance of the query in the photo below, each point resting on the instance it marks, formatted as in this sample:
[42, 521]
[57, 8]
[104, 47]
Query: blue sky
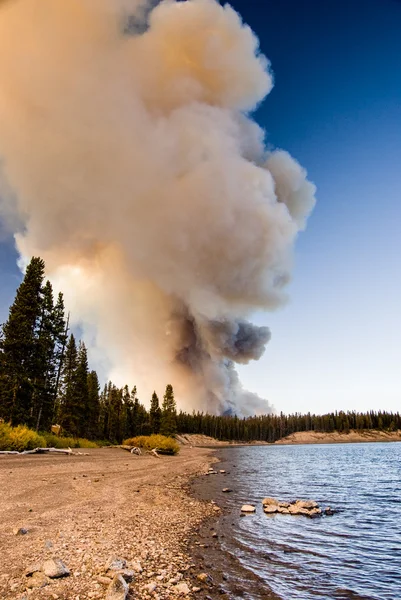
[336, 107]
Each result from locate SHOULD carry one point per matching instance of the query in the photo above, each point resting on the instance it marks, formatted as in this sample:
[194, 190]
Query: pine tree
[155, 414]
[17, 347]
[168, 424]
[68, 414]
[45, 364]
[92, 426]
[82, 409]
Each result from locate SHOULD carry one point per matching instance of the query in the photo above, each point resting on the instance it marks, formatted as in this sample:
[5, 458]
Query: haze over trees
[45, 379]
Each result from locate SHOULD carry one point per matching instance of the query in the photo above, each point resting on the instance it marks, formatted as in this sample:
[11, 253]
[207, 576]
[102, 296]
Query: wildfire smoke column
[131, 165]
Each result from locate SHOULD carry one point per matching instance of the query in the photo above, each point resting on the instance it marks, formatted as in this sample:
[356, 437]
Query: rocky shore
[105, 526]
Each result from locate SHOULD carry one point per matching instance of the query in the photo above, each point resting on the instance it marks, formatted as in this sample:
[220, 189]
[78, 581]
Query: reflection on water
[354, 554]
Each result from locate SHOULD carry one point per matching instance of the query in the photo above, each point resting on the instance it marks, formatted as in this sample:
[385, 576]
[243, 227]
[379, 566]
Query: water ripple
[356, 554]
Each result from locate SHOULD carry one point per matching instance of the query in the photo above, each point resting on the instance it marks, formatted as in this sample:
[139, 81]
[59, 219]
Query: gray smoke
[131, 164]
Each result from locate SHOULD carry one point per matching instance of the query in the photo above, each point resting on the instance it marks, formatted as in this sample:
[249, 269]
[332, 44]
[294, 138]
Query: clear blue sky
[336, 107]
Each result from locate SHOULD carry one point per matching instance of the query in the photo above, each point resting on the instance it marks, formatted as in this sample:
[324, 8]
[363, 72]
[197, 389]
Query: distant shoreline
[300, 437]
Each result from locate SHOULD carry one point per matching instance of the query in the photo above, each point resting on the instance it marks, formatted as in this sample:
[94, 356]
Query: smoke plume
[131, 165]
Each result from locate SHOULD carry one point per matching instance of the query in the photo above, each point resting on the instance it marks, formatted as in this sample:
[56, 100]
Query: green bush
[20, 438]
[165, 445]
[54, 441]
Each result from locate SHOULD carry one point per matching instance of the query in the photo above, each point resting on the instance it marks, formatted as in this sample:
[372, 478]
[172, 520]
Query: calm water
[354, 554]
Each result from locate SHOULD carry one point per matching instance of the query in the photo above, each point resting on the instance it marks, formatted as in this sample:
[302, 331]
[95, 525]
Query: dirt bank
[336, 437]
[84, 509]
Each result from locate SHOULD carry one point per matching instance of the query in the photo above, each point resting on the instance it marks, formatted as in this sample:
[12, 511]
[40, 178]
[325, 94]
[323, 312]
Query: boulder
[270, 509]
[270, 502]
[306, 504]
[118, 589]
[55, 568]
[248, 508]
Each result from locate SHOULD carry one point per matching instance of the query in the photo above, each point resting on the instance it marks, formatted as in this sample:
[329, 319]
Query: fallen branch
[132, 449]
[45, 451]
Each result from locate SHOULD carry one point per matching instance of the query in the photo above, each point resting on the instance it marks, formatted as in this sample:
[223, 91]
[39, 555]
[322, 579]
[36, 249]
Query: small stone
[216, 508]
[227, 490]
[55, 568]
[115, 564]
[196, 589]
[127, 574]
[37, 580]
[329, 512]
[118, 589]
[137, 567]
[222, 471]
[248, 508]
[104, 580]
[33, 569]
[150, 587]
[20, 531]
[204, 578]
[182, 589]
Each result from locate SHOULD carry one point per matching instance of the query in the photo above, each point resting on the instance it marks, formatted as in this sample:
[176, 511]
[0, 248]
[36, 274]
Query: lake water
[356, 553]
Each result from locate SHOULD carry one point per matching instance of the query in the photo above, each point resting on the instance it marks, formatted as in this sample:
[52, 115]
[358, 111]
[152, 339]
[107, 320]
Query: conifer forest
[45, 379]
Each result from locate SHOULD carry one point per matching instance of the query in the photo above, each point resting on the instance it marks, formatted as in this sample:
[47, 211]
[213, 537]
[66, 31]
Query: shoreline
[208, 546]
[300, 437]
[86, 509]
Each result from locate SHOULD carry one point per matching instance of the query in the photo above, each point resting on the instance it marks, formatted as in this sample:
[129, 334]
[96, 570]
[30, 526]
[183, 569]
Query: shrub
[54, 441]
[165, 445]
[20, 438]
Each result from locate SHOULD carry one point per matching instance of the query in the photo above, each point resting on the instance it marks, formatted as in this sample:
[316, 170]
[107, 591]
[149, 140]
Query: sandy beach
[85, 510]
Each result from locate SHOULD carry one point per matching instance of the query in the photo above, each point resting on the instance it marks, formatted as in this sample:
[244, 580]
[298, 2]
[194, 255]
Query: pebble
[54, 568]
[118, 589]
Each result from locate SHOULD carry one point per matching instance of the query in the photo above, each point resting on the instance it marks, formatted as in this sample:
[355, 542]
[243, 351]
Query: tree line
[45, 379]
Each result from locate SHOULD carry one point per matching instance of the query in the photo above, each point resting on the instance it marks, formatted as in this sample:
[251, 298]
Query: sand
[85, 509]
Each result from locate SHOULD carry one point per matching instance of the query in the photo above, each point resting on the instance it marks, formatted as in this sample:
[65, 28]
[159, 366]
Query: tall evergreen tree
[17, 347]
[82, 409]
[155, 414]
[69, 413]
[43, 397]
[92, 425]
[168, 424]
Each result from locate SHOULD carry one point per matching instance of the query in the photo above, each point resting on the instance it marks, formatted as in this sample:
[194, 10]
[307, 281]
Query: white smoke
[138, 175]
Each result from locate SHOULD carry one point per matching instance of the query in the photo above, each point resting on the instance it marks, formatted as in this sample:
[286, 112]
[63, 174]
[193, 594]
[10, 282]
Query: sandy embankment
[83, 509]
[336, 437]
[301, 437]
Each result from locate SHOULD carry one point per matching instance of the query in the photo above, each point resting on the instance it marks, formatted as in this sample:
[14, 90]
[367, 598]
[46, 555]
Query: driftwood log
[45, 451]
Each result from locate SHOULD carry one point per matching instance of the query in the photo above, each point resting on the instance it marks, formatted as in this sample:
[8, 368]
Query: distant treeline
[270, 428]
[45, 379]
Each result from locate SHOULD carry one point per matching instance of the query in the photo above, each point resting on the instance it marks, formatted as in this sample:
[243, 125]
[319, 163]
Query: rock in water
[248, 508]
[227, 490]
[270, 509]
[270, 502]
[54, 568]
[308, 504]
[118, 589]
